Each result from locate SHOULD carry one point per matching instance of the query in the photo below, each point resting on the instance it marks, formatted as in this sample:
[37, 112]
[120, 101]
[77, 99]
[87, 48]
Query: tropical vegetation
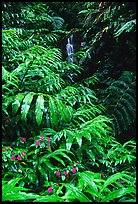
[69, 127]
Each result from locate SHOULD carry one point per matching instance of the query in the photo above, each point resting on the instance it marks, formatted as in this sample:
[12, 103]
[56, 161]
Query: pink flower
[50, 189]
[58, 173]
[13, 152]
[12, 158]
[48, 139]
[48, 146]
[65, 172]
[122, 182]
[102, 174]
[23, 139]
[73, 170]
[68, 176]
[19, 157]
[38, 143]
[23, 154]
[42, 138]
[7, 121]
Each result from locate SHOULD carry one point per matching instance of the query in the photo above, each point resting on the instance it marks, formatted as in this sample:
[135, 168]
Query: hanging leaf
[53, 112]
[16, 104]
[69, 141]
[26, 105]
[39, 109]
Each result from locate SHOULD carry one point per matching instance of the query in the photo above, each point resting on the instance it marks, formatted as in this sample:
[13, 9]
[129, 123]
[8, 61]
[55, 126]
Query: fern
[121, 102]
[127, 27]
[58, 112]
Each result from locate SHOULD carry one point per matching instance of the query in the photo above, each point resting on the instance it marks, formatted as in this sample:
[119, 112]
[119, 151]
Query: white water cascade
[70, 49]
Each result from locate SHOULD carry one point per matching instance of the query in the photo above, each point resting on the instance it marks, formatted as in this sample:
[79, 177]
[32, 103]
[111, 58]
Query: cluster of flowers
[42, 139]
[58, 173]
[23, 139]
[19, 157]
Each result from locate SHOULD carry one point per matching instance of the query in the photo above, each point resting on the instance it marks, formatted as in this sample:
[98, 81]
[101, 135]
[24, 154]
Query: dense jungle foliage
[68, 128]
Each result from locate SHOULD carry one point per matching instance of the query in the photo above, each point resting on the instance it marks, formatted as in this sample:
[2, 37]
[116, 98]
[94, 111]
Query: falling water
[70, 49]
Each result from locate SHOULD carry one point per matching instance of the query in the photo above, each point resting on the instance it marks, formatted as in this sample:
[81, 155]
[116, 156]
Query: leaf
[112, 179]
[60, 160]
[79, 139]
[53, 112]
[18, 196]
[26, 105]
[77, 193]
[16, 104]
[89, 180]
[118, 193]
[39, 109]
[69, 141]
[49, 198]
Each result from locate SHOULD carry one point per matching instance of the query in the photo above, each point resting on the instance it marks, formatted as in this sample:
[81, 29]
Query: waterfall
[70, 49]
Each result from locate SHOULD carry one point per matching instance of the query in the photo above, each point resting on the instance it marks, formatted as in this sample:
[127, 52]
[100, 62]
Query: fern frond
[120, 101]
[127, 27]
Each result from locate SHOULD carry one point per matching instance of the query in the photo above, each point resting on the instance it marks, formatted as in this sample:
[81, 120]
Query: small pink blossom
[13, 152]
[23, 139]
[38, 143]
[23, 154]
[12, 158]
[42, 138]
[102, 174]
[50, 189]
[19, 157]
[122, 182]
[48, 146]
[65, 172]
[58, 173]
[7, 121]
[73, 170]
[48, 139]
[68, 176]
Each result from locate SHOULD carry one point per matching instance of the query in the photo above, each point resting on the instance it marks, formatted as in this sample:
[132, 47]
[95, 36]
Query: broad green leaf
[10, 185]
[90, 181]
[26, 105]
[60, 152]
[16, 104]
[118, 193]
[77, 193]
[49, 198]
[60, 160]
[112, 179]
[43, 172]
[18, 196]
[53, 112]
[69, 141]
[78, 137]
[39, 109]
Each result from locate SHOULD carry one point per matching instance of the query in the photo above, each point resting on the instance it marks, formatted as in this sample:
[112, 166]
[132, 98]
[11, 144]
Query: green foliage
[10, 192]
[120, 100]
[58, 141]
